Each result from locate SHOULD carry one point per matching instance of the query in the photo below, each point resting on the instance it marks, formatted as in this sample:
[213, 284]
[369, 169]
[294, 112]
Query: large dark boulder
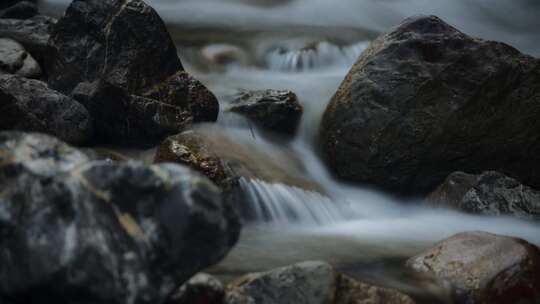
[484, 268]
[29, 105]
[122, 42]
[274, 110]
[77, 231]
[490, 193]
[117, 58]
[425, 100]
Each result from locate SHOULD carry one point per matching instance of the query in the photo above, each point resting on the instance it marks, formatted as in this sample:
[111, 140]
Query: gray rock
[274, 110]
[15, 60]
[201, 289]
[307, 282]
[117, 58]
[75, 231]
[490, 193]
[426, 100]
[32, 33]
[484, 268]
[29, 105]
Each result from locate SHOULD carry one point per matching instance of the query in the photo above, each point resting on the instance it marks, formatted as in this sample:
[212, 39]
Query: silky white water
[308, 46]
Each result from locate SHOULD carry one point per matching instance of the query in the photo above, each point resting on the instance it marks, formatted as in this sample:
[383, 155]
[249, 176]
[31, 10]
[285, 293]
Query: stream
[308, 46]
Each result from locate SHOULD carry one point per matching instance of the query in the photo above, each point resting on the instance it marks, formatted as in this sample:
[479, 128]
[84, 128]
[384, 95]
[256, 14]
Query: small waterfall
[317, 55]
[277, 203]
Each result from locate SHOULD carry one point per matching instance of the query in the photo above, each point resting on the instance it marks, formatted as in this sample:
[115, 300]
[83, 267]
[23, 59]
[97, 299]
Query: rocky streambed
[138, 166]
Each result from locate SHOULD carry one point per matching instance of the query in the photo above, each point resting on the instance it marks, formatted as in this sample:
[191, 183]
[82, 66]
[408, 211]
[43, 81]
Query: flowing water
[308, 46]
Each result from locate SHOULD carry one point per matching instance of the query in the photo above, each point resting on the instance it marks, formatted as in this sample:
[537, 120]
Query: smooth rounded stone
[311, 283]
[490, 193]
[117, 58]
[29, 105]
[201, 289]
[350, 291]
[484, 268]
[274, 110]
[32, 33]
[100, 232]
[19, 10]
[15, 60]
[307, 282]
[426, 100]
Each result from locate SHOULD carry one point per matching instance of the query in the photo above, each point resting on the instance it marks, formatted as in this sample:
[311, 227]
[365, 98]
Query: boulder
[490, 193]
[117, 58]
[15, 60]
[29, 105]
[425, 100]
[125, 43]
[311, 283]
[274, 110]
[201, 289]
[79, 231]
[32, 33]
[18, 10]
[484, 268]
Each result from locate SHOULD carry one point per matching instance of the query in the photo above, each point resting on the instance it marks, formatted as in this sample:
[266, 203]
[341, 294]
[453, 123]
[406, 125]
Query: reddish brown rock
[484, 268]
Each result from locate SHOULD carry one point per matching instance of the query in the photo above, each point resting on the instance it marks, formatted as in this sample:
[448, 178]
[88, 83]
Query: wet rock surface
[230, 163]
[273, 110]
[81, 231]
[29, 105]
[118, 59]
[425, 100]
[490, 193]
[190, 148]
[309, 282]
[484, 268]
[15, 60]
